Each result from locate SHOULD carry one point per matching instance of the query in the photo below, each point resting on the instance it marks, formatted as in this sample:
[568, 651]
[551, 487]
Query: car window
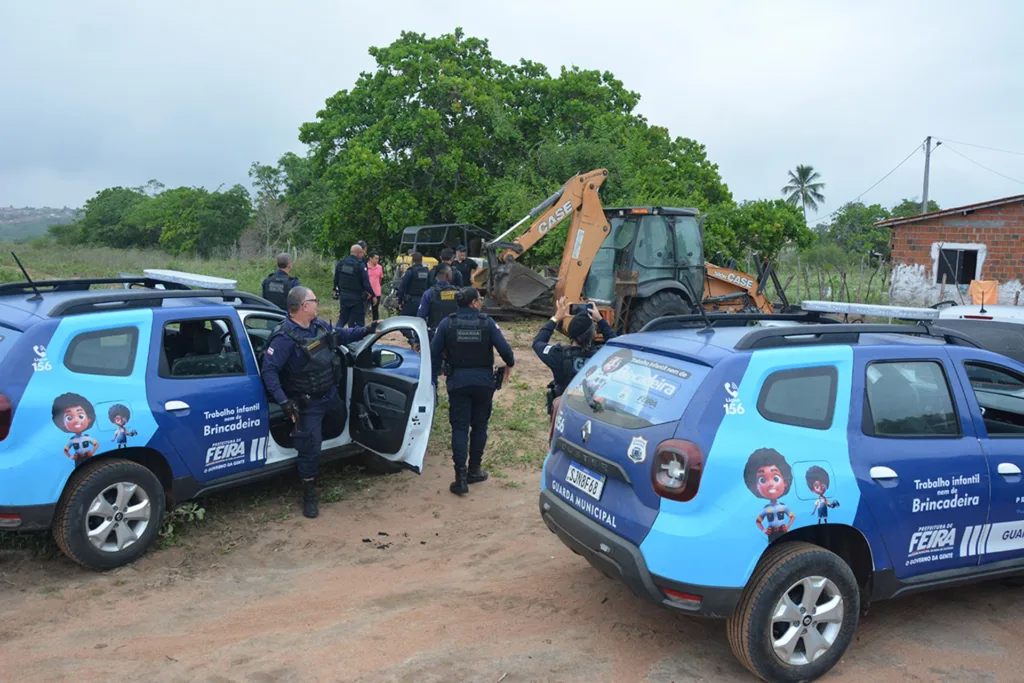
[1005, 338]
[802, 397]
[103, 352]
[908, 399]
[1000, 395]
[200, 348]
[260, 322]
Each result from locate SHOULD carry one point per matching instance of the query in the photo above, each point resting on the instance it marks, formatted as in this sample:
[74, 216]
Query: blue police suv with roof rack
[115, 403]
[784, 476]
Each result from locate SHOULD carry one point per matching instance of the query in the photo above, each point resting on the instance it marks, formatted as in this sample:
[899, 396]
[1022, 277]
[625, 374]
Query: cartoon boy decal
[119, 415]
[74, 414]
[769, 476]
[817, 481]
[596, 378]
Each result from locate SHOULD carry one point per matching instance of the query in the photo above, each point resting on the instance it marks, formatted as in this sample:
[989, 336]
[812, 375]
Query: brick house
[982, 241]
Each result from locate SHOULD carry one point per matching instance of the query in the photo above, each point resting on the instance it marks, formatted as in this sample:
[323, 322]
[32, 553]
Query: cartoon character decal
[818, 482]
[769, 476]
[73, 413]
[119, 414]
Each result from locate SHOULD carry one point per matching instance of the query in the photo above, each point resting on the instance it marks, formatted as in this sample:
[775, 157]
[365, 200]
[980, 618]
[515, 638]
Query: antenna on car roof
[704, 314]
[982, 310]
[24, 272]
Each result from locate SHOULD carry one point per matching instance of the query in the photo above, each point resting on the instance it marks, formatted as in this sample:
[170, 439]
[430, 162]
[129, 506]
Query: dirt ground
[401, 581]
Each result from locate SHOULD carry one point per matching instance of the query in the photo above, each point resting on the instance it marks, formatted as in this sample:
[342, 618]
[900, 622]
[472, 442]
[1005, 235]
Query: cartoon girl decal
[120, 414]
[74, 414]
[817, 481]
[769, 476]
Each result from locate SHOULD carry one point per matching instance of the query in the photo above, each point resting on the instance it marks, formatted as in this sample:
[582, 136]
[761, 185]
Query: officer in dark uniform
[353, 285]
[277, 285]
[446, 256]
[301, 371]
[466, 341]
[565, 361]
[413, 285]
[439, 301]
[463, 266]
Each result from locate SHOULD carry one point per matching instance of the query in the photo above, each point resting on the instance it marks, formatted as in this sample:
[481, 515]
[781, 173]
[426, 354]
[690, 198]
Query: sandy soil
[401, 581]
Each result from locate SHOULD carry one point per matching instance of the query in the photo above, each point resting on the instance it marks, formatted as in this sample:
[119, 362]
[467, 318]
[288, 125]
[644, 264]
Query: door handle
[171, 406]
[879, 472]
[1008, 469]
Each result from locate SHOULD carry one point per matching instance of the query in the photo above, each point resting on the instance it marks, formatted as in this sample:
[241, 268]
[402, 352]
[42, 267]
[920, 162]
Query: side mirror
[386, 359]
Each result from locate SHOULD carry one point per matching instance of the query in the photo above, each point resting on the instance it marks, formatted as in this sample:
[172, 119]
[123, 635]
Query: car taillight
[676, 469]
[6, 416]
[554, 416]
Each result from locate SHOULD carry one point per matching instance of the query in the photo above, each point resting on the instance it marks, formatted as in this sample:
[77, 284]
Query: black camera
[580, 308]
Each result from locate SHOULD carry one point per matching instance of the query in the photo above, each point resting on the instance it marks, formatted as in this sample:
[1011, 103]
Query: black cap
[579, 326]
[461, 247]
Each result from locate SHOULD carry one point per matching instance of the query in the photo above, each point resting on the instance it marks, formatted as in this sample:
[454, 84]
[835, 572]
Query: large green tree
[443, 131]
[804, 188]
[765, 226]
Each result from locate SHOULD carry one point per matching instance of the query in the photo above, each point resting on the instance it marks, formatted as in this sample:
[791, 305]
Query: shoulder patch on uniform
[270, 350]
[547, 348]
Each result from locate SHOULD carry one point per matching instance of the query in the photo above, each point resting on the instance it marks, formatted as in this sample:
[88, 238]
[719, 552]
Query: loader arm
[515, 285]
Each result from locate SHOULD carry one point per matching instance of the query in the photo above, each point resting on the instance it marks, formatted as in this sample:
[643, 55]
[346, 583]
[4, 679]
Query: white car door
[390, 395]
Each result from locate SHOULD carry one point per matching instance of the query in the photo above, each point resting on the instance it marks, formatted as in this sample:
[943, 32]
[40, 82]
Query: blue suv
[785, 475]
[115, 403]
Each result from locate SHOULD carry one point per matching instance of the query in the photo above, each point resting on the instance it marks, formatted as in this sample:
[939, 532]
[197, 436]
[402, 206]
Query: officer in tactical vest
[353, 285]
[439, 301]
[277, 285]
[466, 340]
[413, 285]
[565, 361]
[301, 371]
[446, 257]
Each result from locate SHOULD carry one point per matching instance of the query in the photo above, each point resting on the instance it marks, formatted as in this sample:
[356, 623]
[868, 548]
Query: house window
[958, 266]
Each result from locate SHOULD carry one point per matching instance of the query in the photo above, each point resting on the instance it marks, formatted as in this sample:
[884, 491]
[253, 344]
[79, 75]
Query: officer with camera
[277, 285]
[301, 371]
[565, 361]
[466, 341]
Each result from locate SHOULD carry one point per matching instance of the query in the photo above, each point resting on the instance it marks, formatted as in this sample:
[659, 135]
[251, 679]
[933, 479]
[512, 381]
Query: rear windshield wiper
[588, 396]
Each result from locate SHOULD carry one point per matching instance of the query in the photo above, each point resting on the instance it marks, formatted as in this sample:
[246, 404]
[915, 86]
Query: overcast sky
[96, 94]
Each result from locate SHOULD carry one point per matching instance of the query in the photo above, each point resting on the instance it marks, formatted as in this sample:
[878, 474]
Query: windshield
[634, 389]
[612, 256]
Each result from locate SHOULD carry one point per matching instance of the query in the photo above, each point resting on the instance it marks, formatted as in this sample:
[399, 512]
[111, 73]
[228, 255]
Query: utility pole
[927, 165]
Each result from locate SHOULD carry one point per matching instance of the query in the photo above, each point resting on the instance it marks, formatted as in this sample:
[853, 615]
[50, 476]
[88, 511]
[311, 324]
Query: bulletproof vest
[467, 342]
[275, 289]
[322, 369]
[417, 282]
[573, 360]
[350, 276]
[442, 306]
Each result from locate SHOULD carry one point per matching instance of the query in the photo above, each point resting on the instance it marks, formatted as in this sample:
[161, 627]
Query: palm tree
[802, 189]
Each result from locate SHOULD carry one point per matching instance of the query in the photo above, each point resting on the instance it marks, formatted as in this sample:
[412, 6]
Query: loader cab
[429, 240]
[662, 246]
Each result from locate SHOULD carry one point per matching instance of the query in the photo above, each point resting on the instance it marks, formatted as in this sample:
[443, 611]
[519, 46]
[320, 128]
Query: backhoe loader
[635, 263]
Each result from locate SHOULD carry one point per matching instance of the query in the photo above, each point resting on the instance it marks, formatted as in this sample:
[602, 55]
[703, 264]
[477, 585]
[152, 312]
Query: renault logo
[585, 432]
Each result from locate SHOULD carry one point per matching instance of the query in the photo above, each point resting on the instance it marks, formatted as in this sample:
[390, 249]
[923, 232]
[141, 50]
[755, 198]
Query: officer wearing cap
[438, 302]
[464, 266]
[301, 371]
[352, 283]
[466, 341]
[565, 361]
[446, 256]
[277, 285]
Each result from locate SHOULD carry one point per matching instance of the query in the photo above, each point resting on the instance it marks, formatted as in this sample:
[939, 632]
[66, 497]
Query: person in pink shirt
[376, 273]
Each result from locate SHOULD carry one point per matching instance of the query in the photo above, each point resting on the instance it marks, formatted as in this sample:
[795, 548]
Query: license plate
[587, 481]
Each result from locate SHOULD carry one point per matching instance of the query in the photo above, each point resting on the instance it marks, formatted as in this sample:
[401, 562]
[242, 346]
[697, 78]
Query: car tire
[376, 464]
[109, 504]
[655, 306]
[770, 635]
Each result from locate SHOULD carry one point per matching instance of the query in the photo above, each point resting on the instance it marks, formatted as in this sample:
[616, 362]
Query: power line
[992, 149]
[857, 198]
[990, 170]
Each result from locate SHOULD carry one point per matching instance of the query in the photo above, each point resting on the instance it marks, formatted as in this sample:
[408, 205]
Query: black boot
[476, 475]
[310, 508]
[460, 485]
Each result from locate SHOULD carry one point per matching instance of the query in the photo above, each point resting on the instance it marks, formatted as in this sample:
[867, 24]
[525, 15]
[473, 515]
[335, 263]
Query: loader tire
[655, 306]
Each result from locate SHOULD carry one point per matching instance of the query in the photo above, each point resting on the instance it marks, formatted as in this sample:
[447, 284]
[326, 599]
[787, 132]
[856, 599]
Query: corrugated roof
[893, 222]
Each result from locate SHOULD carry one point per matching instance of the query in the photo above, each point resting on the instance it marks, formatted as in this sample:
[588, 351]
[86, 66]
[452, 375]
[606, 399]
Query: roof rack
[719, 319]
[843, 333]
[85, 284]
[126, 299]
